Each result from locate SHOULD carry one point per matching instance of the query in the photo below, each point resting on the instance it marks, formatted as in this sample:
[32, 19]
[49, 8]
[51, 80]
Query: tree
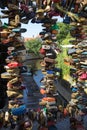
[64, 36]
[33, 45]
[60, 58]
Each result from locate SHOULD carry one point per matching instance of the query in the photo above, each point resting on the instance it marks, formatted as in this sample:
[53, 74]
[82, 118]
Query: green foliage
[63, 39]
[33, 45]
[60, 58]
[64, 36]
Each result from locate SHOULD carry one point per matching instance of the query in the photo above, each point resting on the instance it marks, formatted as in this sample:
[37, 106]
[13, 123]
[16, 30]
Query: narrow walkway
[62, 91]
[31, 93]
